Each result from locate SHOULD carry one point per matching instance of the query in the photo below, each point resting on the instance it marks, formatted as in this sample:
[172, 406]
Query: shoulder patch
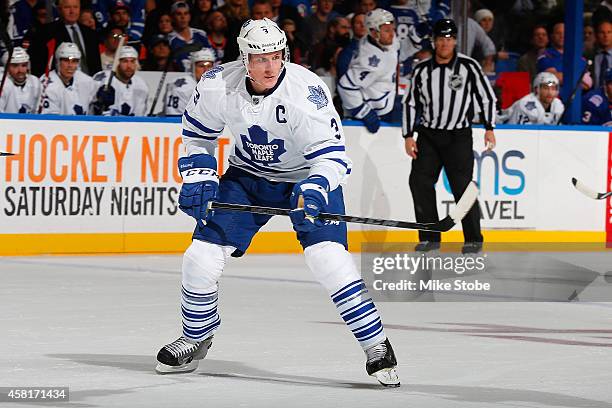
[596, 100]
[212, 73]
[180, 82]
[99, 76]
[373, 61]
[530, 105]
[317, 96]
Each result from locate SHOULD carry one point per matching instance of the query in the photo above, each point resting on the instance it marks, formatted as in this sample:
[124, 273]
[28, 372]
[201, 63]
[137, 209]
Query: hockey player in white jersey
[21, 90]
[367, 89]
[127, 93]
[179, 92]
[541, 107]
[289, 152]
[68, 91]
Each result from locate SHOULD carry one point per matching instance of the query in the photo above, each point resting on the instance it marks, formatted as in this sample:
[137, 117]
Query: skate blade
[162, 368]
[387, 377]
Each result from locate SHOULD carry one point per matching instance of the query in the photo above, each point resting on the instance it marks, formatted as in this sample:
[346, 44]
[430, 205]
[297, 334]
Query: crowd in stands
[512, 40]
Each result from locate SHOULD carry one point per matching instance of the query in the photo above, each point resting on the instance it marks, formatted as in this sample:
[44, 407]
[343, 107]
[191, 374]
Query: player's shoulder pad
[306, 89]
[229, 75]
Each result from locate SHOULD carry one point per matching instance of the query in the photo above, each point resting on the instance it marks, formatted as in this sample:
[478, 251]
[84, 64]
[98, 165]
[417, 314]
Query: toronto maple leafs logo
[212, 73]
[317, 96]
[260, 150]
[373, 61]
[530, 105]
[180, 82]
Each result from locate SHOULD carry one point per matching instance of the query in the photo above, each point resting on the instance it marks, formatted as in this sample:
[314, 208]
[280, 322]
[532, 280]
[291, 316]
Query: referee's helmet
[445, 28]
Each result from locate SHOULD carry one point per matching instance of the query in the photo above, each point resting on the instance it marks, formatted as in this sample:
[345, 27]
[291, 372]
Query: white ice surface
[95, 324]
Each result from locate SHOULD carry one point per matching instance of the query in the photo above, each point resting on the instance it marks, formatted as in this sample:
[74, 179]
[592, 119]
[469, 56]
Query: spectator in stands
[596, 104]
[133, 10]
[66, 29]
[338, 35]
[23, 15]
[261, 9]
[21, 90]
[486, 20]
[281, 12]
[589, 41]
[202, 9]
[365, 6]
[158, 55]
[216, 27]
[87, 19]
[236, 12]
[317, 22]
[297, 45]
[40, 19]
[603, 58]
[112, 35]
[359, 31]
[541, 107]
[185, 39]
[479, 43]
[602, 13]
[120, 16]
[164, 25]
[539, 41]
[551, 60]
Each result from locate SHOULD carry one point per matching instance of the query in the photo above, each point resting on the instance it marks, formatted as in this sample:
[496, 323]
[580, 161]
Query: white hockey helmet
[377, 17]
[544, 78]
[19, 56]
[205, 54]
[67, 50]
[128, 52]
[261, 37]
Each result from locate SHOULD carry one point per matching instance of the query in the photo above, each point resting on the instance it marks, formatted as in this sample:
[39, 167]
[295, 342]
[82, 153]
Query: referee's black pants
[451, 149]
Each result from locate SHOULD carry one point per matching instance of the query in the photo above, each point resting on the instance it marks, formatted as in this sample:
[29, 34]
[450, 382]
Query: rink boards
[111, 185]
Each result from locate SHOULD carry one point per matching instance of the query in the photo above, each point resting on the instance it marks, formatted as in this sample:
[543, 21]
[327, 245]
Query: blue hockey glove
[200, 185]
[371, 122]
[104, 99]
[314, 192]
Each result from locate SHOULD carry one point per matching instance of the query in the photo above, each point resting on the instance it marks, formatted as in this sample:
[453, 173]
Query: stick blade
[580, 186]
[465, 204]
[6, 154]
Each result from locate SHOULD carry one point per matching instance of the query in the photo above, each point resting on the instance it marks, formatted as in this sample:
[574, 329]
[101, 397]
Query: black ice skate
[381, 364]
[182, 355]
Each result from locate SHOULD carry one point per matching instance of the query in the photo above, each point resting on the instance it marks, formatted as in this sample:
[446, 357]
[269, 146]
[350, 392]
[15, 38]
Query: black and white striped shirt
[442, 96]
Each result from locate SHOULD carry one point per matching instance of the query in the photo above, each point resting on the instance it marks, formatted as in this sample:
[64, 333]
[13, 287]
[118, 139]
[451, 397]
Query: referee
[446, 91]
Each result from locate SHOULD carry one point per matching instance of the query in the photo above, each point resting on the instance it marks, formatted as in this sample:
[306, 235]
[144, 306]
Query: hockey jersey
[289, 133]
[178, 94]
[369, 82]
[529, 110]
[181, 47]
[72, 99]
[597, 108]
[20, 99]
[130, 97]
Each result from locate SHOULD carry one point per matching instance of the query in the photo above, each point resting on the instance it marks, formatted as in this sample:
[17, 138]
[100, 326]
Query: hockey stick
[464, 205]
[9, 46]
[570, 100]
[43, 91]
[115, 61]
[588, 192]
[6, 154]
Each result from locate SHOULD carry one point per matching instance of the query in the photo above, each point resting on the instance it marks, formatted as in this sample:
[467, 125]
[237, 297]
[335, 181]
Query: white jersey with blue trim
[20, 98]
[130, 97]
[529, 110]
[291, 132]
[369, 81]
[178, 94]
[72, 99]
